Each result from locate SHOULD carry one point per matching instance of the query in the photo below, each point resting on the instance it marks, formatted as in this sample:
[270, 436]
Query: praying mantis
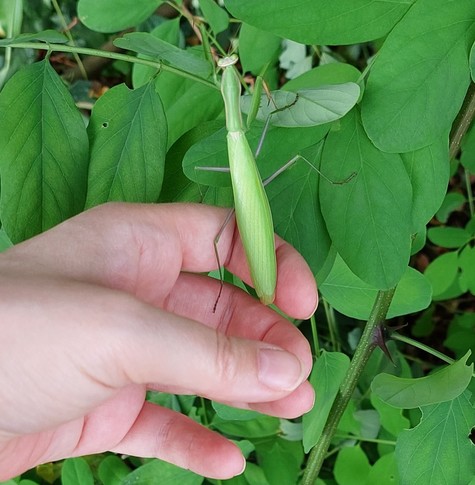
[257, 232]
[251, 205]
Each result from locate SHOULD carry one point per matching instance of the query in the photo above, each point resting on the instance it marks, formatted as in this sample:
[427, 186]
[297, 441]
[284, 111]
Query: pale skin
[110, 304]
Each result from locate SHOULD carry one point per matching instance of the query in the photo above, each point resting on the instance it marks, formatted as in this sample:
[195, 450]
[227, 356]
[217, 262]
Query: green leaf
[467, 266]
[455, 290]
[43, 153]
[384, 471]
[342, 22]
[246, 447]
[453, 201]
[128, 134]
[255, 60]
[168, 31]
[442, 272]
[370, 424]
[11, 17]
[467, 158]
[5, 241]
[295, 205]
[348, 423]
[404, 85]
[368, 218]
[307, 107]
[149, 45]
[253, 475]
[281, 461]
[159, 472]
[351, 296]
[112, 470]
[461, 334]
[391, 418]
[176, 186]
[234, 414]
[419, 240]
[256, 428]
[443, 385]
[470, 226]
[428, 169]
[472, 62]
[448, 237]
[352, 466]
[216, 16]
[49, 36]
[425, 323]
[115, 15]
[334, 73]
[187, 103]
[328, 373]
[438, 451]
[76, 471]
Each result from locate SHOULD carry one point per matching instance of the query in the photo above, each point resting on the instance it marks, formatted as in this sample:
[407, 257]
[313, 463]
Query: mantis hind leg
[288, 164]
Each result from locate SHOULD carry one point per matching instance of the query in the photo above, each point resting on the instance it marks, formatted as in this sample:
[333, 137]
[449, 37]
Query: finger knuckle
[227, 358]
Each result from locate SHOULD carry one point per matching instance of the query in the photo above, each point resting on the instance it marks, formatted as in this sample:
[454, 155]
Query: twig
[360, 358]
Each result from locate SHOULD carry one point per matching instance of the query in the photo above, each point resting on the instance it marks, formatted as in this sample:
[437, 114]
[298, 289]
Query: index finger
[143, 248]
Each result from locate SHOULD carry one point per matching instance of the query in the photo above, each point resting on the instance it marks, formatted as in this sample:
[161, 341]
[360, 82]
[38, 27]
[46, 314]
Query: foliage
[378, 98]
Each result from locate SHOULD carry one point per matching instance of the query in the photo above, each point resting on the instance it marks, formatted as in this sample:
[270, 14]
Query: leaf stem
[424, 348]
[111, 55]
[362, 353]
[366, 440]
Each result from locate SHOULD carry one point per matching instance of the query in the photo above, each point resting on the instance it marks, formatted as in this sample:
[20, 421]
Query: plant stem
[468, 187]
[67, 32]
[361, 356]
[316, 346]
[462, 122]
[111, 55]
[331, 325]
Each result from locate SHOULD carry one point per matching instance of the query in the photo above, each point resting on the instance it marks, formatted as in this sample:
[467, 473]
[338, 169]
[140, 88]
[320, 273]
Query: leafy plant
[366, 240]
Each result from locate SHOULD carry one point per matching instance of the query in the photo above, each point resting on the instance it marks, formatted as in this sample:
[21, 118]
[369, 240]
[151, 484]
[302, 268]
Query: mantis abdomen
[253, 216]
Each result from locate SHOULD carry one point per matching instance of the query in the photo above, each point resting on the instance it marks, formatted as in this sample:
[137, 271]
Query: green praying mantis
[251, 205]
[257, 232]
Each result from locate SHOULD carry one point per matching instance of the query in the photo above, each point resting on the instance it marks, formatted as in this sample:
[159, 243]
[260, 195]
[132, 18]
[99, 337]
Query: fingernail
[278, 369]
[243, 466]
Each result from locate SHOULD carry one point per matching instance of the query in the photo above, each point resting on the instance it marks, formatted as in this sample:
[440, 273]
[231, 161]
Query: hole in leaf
[471, 436]
[105, 124]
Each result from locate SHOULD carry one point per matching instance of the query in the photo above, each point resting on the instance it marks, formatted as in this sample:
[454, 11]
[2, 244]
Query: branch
[360, 358]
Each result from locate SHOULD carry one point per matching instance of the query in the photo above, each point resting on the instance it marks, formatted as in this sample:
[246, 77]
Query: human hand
[111, 303]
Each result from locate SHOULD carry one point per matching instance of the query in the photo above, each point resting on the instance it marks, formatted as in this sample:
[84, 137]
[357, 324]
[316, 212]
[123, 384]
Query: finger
[164, 434]
[294, 405]
[172, 350]
[237, 315]
[296, 290]
[133, 247]
[143, 248]
[117, 340]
